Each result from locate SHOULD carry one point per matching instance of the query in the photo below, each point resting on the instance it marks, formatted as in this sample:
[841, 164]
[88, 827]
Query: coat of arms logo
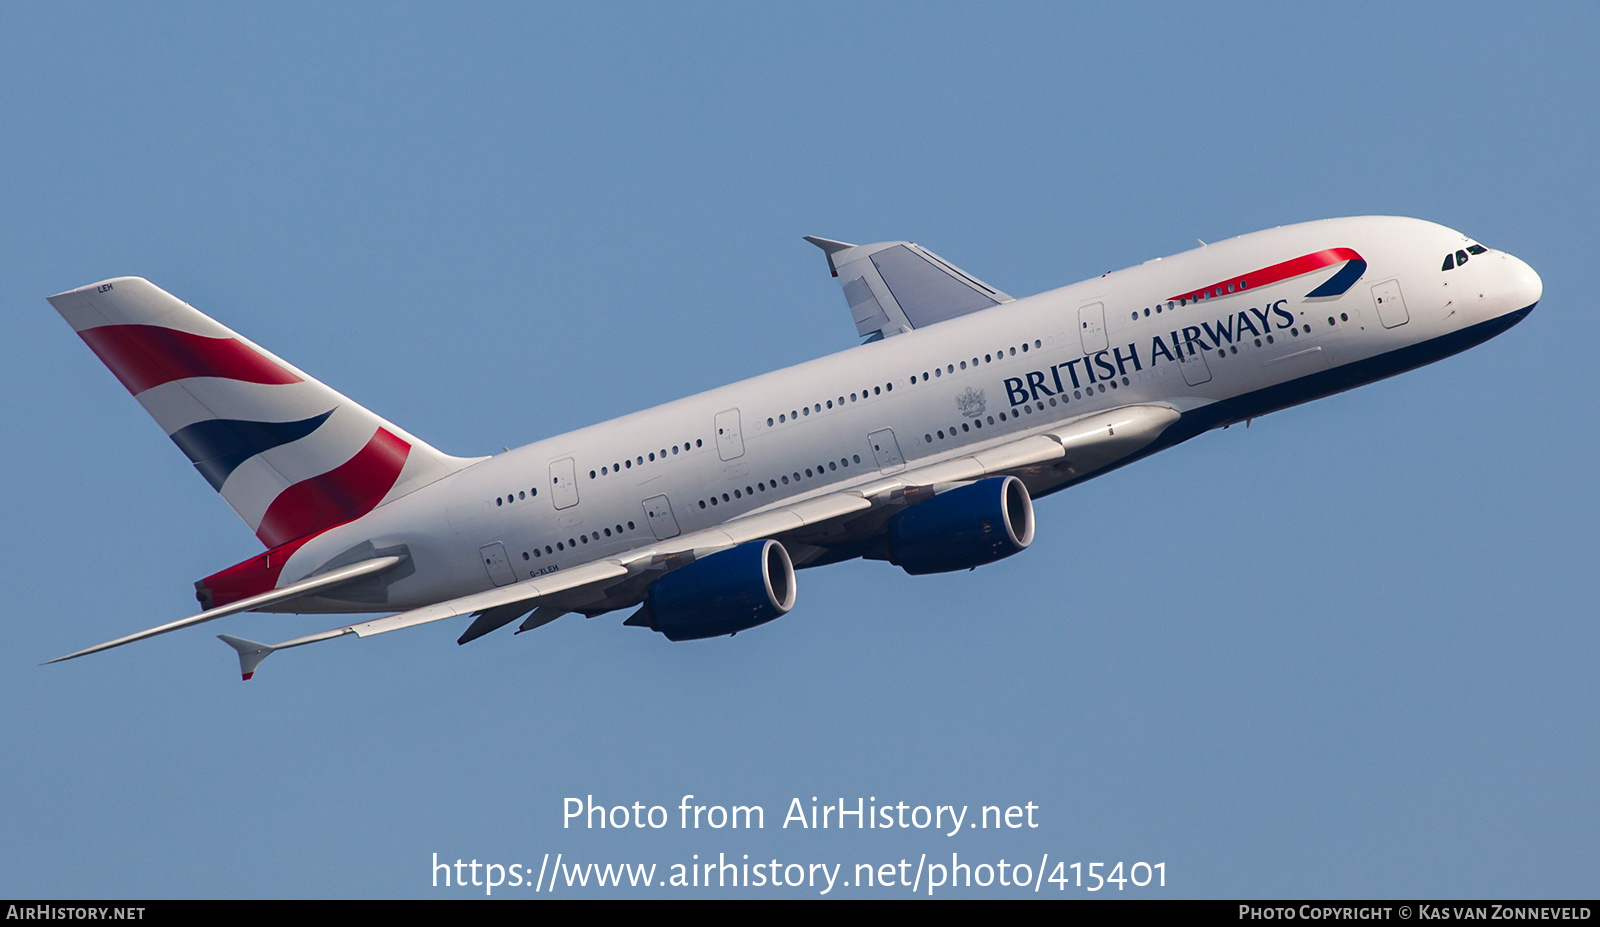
[971, 403]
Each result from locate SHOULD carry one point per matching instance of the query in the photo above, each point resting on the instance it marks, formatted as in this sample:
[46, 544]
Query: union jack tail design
[293, 457]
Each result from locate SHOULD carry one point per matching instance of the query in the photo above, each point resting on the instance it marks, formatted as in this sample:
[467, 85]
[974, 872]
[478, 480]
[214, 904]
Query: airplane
[923, 446]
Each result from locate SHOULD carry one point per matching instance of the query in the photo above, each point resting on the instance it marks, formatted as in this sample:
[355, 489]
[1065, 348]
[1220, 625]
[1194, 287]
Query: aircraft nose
[1525, 283]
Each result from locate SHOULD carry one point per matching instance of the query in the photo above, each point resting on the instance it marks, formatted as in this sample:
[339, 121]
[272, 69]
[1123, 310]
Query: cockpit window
[1458, 258]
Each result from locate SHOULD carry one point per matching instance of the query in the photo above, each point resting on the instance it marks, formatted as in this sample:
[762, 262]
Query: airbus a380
[924, 446]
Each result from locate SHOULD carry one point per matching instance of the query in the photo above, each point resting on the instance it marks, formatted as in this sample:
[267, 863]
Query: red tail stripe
[143, 356]
[1303, 264]
[343, 494]
[254, 576]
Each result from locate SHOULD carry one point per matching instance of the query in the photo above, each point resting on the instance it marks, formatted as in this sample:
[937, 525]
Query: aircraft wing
[896, 286]
[1082, 447]
[318, 583]
[498, 607]
[251, 653]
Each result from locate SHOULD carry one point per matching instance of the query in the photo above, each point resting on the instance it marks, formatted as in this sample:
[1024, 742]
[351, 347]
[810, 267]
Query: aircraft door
[887, 450]
[730, 443]
[658, 512]
[1391, 305]
[1092, 327]
[564, 483]
[1193, 364]
[497, 564]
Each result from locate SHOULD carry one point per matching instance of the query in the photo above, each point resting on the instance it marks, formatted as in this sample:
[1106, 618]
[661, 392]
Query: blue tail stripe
[1341, 281]
[218, 446]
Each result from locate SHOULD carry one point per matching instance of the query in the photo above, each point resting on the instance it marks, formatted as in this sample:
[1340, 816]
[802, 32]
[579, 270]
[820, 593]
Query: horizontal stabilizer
[307, 586]
[897, 286]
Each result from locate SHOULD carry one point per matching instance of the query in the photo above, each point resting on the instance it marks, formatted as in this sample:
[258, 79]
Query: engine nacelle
[724, 593]
[963, 528]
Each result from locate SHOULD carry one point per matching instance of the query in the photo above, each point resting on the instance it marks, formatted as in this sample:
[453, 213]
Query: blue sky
[1348, 651]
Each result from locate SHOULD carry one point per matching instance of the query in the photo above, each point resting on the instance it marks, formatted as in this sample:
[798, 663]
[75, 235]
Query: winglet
[897, 286]
[830, 248]
[272, 597]
[250, 653]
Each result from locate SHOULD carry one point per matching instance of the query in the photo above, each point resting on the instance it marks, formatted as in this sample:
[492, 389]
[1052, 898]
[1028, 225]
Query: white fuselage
[980, 380]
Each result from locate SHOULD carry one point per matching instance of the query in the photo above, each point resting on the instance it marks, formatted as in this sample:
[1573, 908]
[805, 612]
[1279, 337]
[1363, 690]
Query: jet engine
[979, 523]
[724, 593]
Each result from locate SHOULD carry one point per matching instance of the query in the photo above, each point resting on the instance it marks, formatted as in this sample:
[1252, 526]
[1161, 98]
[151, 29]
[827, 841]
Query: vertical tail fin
[290, 455]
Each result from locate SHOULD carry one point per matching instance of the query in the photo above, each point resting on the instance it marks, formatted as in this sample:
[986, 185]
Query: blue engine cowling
[963, 528]
[724, 593]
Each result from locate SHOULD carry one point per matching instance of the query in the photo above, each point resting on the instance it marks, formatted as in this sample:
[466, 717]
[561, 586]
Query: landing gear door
[1391, 305]
[658, 512]
[564, 483]
[886, 450]
[729, 442]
